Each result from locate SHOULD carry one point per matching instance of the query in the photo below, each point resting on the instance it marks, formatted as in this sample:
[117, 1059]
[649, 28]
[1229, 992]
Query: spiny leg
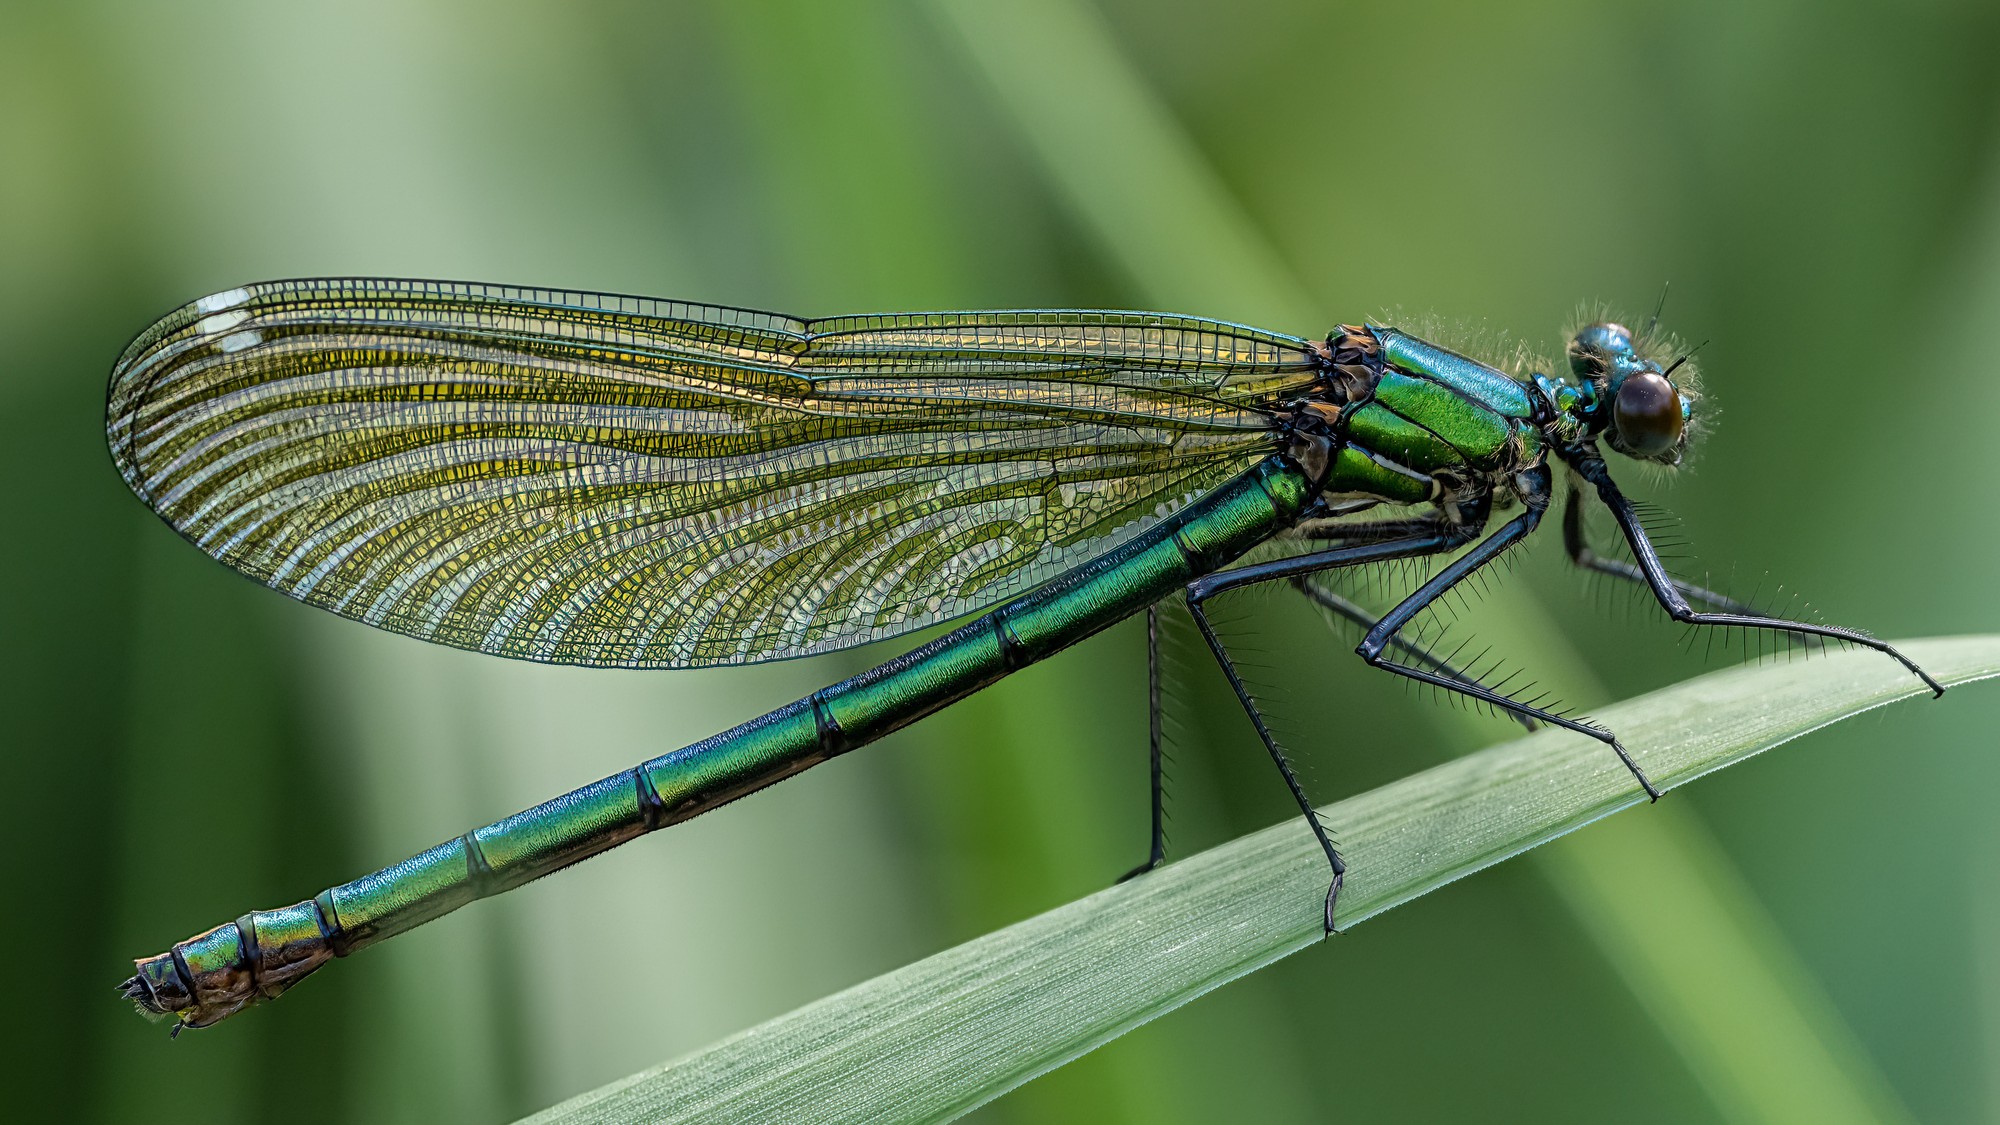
[1158, 851]
[1323, 597]
[1577, 543]
[1341, 607]
[1356, 531]
[1591, 467]
[1373, 530]
[1533, 484]
[1202, 589]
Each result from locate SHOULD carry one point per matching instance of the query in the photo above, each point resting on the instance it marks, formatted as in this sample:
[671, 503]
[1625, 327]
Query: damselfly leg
[1201, 590]
[1348, 610]
[1671, 597]
[1435, 537]
[1157, 852]
[1577, 543]
[1534, 487]
[1331, 601]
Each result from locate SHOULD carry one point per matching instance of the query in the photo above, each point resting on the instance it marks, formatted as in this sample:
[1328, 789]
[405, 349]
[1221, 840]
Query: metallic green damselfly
[591, 479]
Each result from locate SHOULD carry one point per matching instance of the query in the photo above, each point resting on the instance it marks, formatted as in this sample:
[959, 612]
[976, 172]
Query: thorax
[1396, 419]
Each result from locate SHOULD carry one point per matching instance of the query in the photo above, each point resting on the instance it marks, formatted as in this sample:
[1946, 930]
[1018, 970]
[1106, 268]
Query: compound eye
[1648, 414]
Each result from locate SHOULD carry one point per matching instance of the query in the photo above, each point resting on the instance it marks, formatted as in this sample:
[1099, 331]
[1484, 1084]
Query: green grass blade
[942, 1036]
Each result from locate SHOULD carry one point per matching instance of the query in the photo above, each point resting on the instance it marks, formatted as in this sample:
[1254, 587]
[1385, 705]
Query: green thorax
[1409, 412]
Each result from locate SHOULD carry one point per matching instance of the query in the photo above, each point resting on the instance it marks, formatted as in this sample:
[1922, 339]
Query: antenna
[1658, 307]
[1685, 356]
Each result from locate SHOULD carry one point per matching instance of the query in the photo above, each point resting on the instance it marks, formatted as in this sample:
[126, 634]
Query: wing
[592, 479]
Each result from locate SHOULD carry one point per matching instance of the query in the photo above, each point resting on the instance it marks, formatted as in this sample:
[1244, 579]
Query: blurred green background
[1819, 181]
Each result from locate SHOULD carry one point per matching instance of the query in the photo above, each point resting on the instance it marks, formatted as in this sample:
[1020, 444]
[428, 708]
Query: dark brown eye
[1647, 413]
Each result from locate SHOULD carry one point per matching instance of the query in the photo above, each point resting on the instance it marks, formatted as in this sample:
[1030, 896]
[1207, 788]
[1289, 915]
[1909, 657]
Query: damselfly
[590, 479]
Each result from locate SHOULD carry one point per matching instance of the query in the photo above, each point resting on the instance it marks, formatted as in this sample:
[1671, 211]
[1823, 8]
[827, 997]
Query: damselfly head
[1635, 402]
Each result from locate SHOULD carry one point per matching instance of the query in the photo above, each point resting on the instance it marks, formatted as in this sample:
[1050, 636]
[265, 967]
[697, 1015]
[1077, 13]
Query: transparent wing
[591, 479]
